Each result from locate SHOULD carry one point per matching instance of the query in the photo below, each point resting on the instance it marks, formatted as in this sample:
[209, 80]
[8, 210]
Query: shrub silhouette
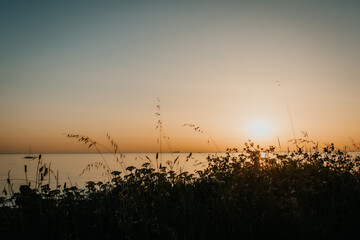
[253, 194]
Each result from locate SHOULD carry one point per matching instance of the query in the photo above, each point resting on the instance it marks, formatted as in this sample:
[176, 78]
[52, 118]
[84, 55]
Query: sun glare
[260, 129]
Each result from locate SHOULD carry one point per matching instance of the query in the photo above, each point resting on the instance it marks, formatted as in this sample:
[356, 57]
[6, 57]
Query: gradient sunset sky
[97, 67]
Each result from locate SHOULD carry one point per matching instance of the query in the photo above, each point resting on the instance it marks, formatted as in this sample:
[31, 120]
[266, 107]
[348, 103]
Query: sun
[260, 129]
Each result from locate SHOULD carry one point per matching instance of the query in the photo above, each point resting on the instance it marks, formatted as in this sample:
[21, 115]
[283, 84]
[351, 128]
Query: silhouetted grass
[253, 194]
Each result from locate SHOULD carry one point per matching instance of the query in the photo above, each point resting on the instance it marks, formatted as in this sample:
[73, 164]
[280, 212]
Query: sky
[260, 70]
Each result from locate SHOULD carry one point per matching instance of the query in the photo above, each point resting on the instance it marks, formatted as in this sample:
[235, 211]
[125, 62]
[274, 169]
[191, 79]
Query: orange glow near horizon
[216, 65]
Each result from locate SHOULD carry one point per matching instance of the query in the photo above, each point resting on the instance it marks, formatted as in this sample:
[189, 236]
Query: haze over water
[69, 167]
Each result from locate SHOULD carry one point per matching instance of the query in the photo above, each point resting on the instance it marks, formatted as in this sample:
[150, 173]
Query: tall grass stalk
[159, 127]
[26, 177]
[238, 195]
[289, 113]
[201, 130]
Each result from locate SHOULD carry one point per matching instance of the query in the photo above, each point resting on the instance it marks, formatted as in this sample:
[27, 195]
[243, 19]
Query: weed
[249, 194]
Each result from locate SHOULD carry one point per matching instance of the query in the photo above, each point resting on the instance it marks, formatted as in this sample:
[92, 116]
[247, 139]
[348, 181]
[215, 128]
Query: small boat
[30, 155]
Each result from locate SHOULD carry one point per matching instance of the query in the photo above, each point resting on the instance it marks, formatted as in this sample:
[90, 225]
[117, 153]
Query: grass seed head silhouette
[234, 186]
[200, 130]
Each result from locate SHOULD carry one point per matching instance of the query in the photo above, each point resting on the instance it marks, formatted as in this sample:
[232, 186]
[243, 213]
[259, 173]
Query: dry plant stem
[26, 178]
[94, 144]
[116, 151]
[292, 124]
[114, 154]
[248, 190]
[168, 143]
[279, 143]
[10, 188]
[160, 150]
[49, 174]
[70, 180]
[289, 113]
[212, 140]
[199, 129]
[307, 143]
[37, 173]
[57, 179]
[102, 156]
[160, 128]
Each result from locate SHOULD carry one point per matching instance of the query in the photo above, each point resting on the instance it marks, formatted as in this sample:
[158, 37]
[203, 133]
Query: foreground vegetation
[254, 194]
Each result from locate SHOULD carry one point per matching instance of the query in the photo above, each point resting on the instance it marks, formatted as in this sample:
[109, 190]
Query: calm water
[70, 166]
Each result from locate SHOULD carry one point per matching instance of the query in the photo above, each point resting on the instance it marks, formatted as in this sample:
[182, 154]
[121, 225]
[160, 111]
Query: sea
[79, 168]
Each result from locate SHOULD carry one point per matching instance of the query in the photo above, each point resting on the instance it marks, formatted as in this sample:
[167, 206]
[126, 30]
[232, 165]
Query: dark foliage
[255, 194]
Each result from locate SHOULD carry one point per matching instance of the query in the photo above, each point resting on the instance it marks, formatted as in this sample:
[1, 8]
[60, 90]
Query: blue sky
[96, 67]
